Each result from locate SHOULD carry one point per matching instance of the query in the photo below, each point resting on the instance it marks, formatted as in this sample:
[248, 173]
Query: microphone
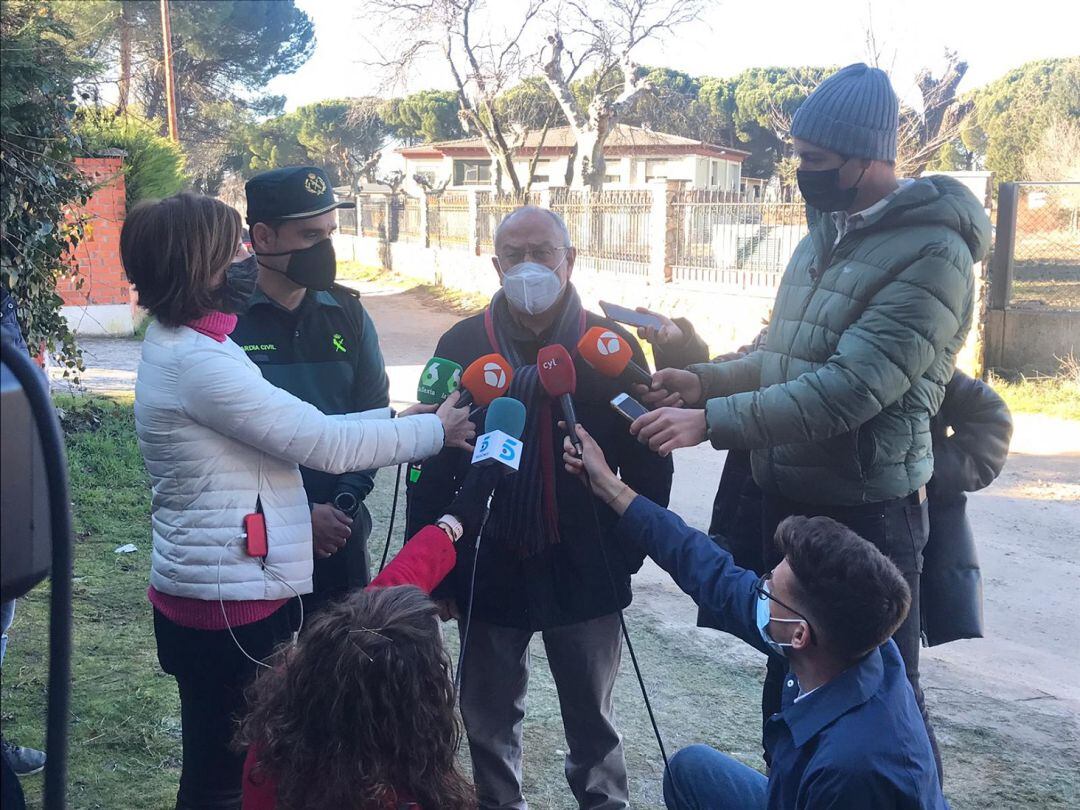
[485, 379]
[498, 453]
[608, 353]
[559, 378]
[439, 379]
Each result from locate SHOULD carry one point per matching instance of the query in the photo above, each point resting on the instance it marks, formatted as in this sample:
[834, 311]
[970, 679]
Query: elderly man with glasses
[849, 734]
[544, 564]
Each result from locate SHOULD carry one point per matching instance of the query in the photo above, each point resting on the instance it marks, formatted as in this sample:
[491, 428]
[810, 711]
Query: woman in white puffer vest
[222, 444]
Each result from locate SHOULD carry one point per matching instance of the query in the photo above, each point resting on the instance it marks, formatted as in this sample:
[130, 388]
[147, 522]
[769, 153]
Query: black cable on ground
[622, 618]
[469, 605]
[393, 513]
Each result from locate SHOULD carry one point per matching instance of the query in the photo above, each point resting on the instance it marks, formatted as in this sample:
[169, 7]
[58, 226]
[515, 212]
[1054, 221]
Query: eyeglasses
[544, 255]
[763, 593]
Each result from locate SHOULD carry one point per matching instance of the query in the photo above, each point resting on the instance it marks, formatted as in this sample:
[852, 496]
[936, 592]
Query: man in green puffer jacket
[871, 312]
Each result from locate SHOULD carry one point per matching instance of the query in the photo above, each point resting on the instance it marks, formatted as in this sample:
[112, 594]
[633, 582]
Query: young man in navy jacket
[849, 734]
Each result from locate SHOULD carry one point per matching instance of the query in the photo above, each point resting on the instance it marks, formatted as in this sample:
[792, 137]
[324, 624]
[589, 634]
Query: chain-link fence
[1040, 225]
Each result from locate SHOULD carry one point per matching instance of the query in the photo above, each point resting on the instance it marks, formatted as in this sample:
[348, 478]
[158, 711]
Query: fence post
[661, 238]
[1001, 271]
[474, 222]
[424, 230]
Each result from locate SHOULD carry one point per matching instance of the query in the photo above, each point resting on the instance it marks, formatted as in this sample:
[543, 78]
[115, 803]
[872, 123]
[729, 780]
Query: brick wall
[98, 255]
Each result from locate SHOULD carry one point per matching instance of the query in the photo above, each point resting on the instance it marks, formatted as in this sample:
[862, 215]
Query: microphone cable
[622, 618]
[393, 513]
[472, 590]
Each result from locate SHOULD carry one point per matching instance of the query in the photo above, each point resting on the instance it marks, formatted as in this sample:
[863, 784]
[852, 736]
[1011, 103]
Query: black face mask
[821, 189]
[234, 296]
[314, 267]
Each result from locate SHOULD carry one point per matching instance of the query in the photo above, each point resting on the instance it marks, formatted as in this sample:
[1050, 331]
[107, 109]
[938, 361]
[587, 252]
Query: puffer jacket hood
[943, 201]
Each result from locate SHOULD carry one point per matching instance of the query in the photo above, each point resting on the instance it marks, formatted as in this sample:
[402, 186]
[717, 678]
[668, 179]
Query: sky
[992, 35]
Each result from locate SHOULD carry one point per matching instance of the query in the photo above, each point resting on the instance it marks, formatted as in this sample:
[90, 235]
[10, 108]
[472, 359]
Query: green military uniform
[325, 352]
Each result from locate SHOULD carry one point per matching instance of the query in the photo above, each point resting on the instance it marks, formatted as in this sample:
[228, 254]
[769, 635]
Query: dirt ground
[1007, 707]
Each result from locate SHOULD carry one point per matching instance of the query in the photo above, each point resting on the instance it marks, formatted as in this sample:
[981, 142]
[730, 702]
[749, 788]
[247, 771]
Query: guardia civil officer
[313, 338]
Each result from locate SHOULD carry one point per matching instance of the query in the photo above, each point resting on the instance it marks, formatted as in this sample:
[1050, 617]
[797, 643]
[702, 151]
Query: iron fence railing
[371, 214]
[610, 229]
[448, 218]
[347, 220]
[407, 218]
[719, 238]
[491, 209]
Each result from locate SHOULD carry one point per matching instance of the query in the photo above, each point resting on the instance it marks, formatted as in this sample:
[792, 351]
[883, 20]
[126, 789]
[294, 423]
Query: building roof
[623, 141]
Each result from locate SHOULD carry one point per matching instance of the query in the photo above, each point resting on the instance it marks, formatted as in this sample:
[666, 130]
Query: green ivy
[41, 189]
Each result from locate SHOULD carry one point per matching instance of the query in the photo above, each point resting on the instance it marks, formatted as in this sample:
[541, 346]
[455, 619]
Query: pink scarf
[217, 325]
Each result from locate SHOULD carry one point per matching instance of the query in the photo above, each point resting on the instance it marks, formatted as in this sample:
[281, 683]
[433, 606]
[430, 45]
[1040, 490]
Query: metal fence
[706, 236]
[407, 218]
[448, 218]
[491, 209]
[371, 214]
[610, 229]
[1036, 262]
[721, 239]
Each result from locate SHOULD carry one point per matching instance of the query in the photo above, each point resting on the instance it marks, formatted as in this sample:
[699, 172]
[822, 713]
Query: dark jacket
[966, 461]
[568, 582]
[855, 742]
[863, 339]
[325, 352]
[9, 320]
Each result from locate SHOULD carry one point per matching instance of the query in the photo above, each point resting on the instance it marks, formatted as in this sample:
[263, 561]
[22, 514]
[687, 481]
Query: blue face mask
[764, 616]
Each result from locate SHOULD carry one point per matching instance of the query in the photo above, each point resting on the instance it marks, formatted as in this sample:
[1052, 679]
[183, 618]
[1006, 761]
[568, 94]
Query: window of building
[715, 174]
[428, 176]
[656, 170]
[472, 172]
[612, 178]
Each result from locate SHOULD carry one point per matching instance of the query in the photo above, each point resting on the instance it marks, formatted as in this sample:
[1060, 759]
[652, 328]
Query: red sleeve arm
[424, 561]
[260, 790]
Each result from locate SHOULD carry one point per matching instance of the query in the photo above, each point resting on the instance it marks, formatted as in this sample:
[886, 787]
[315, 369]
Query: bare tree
[922, 134]
[481, 60]
[603, 36]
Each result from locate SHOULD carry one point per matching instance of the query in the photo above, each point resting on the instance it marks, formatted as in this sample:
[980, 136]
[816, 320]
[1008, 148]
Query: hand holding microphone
[588, 463]
[458, 429]
[671, 388]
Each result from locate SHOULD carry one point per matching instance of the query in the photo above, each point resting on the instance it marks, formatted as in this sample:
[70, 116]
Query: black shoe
[24, 761]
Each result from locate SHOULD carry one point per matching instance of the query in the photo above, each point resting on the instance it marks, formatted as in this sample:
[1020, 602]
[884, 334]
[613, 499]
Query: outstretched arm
[704, 571]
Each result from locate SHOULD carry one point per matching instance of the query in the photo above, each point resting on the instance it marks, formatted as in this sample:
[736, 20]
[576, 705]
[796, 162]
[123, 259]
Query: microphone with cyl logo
[559, 379]
[485, 379]
[439, 379]
[608, 353]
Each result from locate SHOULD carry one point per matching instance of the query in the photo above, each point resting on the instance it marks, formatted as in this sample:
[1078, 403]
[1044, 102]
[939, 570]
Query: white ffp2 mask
[532, 287]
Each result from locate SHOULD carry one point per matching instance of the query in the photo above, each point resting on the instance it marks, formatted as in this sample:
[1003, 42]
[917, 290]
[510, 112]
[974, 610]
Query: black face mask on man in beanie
[821, 189]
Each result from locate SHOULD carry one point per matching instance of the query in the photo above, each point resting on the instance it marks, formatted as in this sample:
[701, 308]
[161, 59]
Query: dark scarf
[526, 513]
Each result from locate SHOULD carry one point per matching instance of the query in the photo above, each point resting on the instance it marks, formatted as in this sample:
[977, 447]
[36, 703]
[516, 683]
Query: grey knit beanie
[853, 112]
